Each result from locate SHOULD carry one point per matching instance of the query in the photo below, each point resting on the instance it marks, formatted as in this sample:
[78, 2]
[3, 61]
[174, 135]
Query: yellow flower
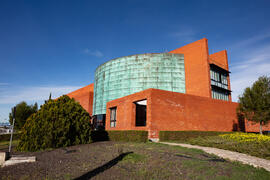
[246, 137]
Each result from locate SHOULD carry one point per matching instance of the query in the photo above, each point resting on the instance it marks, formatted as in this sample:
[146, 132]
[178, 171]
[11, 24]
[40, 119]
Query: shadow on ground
[103, 168]
[209, 158]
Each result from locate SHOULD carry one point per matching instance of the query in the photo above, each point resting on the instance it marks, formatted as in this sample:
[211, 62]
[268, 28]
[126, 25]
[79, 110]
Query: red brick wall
[177, 111]
[197, 72]
[220, 59]
[125, 114]
[173, 111]
[84, 96]
[255, 127]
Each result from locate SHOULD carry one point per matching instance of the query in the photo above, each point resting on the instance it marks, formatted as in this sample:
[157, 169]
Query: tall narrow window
[141, 113]
[113, 117]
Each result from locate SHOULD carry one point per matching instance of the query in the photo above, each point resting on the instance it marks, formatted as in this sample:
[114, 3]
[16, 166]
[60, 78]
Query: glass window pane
[113, 117]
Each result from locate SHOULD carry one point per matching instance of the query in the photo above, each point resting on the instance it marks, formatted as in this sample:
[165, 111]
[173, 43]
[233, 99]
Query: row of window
[220, 95]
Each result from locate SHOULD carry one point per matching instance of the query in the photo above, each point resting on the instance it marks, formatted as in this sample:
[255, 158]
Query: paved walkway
[233, 156]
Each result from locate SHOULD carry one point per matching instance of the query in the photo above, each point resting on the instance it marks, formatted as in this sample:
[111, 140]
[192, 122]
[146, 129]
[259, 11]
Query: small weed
[67, 177]
[134, 158]
[25, 177]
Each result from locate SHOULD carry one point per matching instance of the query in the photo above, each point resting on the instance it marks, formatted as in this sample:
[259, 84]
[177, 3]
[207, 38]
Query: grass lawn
[245, 145]
[116, 160]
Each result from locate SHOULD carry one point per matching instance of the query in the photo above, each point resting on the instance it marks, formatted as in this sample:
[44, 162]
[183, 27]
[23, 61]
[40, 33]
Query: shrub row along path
[233, 156]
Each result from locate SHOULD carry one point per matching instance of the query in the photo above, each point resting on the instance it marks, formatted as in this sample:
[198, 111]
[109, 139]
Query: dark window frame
[113, 119]
[99, 121]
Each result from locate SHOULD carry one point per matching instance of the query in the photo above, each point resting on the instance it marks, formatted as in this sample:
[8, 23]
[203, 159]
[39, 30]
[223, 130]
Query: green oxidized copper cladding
[130, 74]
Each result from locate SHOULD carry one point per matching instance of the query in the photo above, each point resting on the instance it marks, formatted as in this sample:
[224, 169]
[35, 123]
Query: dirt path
[233, 156]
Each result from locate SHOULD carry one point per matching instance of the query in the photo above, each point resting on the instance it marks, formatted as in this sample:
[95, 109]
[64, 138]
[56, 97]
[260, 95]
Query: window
[99, 121]
[215, 75]
[141, 112]
[113, 117]
[224, 79]
[219, 83]
[218, 94]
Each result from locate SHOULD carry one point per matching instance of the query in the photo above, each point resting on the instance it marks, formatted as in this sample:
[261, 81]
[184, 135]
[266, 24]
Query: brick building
[184, 89]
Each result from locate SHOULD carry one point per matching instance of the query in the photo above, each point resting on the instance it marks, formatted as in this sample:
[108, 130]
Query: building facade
[184, 89]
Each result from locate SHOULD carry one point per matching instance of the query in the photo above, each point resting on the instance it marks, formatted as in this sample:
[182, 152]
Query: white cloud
[254, 64]
[18, 94]
[96, 53]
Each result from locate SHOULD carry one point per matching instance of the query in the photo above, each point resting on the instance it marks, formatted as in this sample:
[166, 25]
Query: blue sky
[55, 46]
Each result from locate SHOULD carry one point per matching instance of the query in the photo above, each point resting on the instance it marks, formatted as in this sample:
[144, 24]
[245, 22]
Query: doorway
[141, 112]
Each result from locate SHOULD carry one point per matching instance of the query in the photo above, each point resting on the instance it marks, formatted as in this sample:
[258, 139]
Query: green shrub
[6, 137]
[128, 136]
[58, 123]
[186, 135]
[100, 135]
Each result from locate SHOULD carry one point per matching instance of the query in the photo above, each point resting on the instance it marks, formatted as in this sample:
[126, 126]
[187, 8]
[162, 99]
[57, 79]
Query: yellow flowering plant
[246, 137]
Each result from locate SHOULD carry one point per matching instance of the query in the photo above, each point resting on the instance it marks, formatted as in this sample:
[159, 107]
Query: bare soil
[116, 160]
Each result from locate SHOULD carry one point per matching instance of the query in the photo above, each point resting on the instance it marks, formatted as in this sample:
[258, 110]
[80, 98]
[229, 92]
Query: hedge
[126, 136]
[186, 135]
[6, 137]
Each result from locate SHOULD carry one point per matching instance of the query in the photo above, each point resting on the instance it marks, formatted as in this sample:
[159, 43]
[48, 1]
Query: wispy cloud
[10, 96]
[253, 40]
[4, 84]
[96, 53]
[185, 35]
[30, 94]
[252, 65]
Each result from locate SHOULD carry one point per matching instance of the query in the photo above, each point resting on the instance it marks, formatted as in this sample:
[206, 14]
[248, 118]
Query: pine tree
[23, 111]
[254, 104]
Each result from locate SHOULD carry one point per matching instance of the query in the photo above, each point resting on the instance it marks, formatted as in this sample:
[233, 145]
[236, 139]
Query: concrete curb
[3, 157]
[233, 156]
[18, 159]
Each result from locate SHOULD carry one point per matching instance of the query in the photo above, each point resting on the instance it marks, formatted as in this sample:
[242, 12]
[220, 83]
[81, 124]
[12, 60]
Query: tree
[50, 98]
[254, 104]
[58, 123]
[23, 111]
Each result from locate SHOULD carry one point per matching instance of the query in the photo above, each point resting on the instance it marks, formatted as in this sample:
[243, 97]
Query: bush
[186, 135]
[126, 136]
[100, 135]
[6, 137]
[58, 123]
